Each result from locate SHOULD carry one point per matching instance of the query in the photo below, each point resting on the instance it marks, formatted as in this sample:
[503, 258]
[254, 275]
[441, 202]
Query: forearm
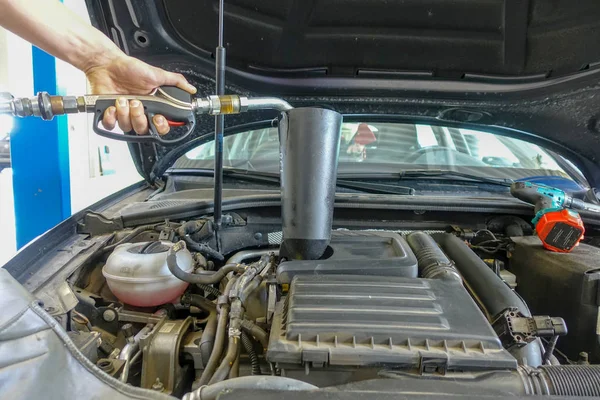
[51, 26]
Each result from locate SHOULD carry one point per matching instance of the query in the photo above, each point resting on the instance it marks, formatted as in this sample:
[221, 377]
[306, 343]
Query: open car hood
[528, 69]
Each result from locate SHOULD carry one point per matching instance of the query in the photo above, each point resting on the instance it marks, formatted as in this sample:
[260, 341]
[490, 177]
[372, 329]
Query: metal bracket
[59, 301]
[161, 356]
[271, 300]
[191, 346]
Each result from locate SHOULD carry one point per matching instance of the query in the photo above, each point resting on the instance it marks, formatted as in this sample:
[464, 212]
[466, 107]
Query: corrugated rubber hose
[249, 347]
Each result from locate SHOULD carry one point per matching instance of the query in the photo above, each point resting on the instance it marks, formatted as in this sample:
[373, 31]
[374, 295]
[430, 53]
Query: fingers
[109, 120]
[122, 106]
[173, 79]
[131, 116]
[162, 126]
[139, 122]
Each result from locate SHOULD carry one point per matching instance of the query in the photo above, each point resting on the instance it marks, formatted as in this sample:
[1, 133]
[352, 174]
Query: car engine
[163, 307]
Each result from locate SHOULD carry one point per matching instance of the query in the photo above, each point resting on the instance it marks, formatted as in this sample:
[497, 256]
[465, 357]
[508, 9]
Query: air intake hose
[433, 263]
[555, 380]
[494, 294]
[264, 382]
[562, 380]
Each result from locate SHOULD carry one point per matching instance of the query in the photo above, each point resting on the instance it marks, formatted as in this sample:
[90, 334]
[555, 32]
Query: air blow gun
[559, 227]
[179, 108]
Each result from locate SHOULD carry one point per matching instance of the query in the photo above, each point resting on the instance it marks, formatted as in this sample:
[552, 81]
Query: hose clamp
[222, 300]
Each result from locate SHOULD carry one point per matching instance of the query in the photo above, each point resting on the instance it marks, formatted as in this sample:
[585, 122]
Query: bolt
[109, 315]
[583, 358]
[115, 353]
[258, 236]
[127, 330]
[158, 385]
[50, 310]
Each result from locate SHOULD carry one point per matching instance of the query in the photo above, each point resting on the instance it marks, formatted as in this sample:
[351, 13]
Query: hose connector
[234, 104]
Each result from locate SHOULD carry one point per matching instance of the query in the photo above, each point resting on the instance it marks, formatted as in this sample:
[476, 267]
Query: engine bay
[376, 303]
[279, 295]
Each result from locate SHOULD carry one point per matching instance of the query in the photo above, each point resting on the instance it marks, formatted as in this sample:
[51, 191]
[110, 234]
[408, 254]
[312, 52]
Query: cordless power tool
[559, 227]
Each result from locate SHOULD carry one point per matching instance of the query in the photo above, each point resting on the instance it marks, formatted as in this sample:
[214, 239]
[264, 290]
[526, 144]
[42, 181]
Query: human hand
[127, 75]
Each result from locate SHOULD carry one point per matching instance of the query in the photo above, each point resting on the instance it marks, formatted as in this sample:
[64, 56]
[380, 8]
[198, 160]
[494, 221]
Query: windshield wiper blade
[273, 178]
[455, 174]
[375, 188]
[426, 173]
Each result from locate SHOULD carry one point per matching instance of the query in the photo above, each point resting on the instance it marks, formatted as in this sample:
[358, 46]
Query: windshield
[394, 147]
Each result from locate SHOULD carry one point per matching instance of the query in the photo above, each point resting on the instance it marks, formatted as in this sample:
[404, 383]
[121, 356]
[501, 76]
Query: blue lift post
[40, 162]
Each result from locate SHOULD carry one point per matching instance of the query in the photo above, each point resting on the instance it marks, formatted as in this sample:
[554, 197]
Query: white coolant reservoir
[137, 273]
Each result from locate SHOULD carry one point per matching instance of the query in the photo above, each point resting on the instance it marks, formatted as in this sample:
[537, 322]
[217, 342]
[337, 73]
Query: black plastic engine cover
[357, 253]
[371, 321]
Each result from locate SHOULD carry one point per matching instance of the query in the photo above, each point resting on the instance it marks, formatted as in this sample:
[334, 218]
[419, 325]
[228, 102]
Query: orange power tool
[559, 227]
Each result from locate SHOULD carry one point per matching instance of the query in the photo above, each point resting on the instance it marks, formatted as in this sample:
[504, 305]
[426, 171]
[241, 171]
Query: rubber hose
[206, 278]
[264, 382]
[249, 347]
[494, 294]
[199, 301]
[203, 248]
[433, 263]
[233, 352]
[257, 332]
[130, 236]
[513, 230]
[574, 381]
[207, 341]
[571, 380]
[215, 355]
[235, 369]
[190, 227]
[244, 255]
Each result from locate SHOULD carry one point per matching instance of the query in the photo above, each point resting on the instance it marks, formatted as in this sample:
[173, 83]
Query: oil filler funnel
[309, 144]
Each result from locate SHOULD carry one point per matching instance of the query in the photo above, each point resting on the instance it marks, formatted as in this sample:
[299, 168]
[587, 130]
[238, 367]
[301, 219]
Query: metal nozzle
[233, 104]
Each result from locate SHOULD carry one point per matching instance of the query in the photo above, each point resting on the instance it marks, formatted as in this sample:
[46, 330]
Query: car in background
[391, 147]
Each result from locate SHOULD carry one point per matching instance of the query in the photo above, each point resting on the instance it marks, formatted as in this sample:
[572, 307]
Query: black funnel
[309, 144]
